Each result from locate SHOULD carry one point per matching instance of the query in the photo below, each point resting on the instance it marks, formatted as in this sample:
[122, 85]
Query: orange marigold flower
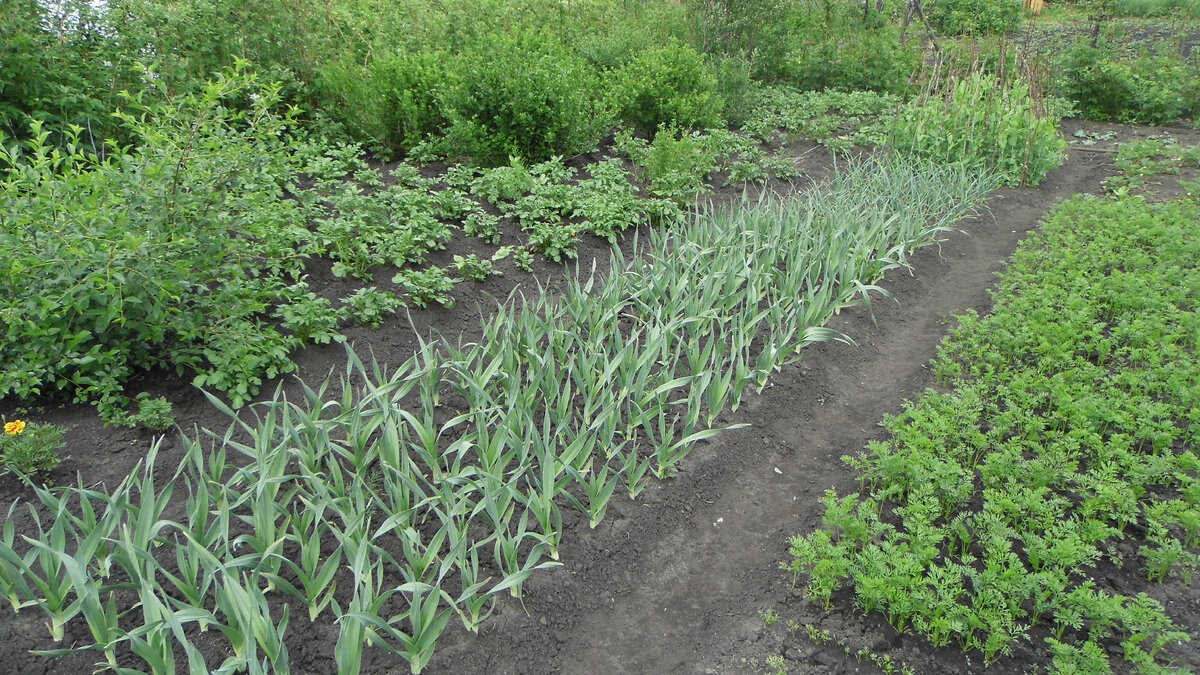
[13, 428]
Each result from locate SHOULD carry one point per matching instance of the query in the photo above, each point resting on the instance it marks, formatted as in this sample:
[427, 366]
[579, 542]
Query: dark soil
[675, 581]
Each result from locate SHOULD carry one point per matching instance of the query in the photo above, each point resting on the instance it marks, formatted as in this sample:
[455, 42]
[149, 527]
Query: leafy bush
[986, 123]
[393, 102]
[976, 17]
[522, 94]
[57, 79]
[837, 47]
[149, 258]
[1150, 88]
[666, 86]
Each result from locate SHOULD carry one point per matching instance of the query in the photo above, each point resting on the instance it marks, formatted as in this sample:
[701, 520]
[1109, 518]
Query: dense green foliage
[666, 86]
[985, 122]
[1158, 8]
[1150, 87]
[523, 94]
[837, 46]
[163, 256]
[976, 17]
[57, 79]
[1069, 438]
[394, 103]
[481, 79]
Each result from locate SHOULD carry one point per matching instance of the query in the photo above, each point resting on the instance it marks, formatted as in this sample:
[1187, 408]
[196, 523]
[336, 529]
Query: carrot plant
[1071, 426]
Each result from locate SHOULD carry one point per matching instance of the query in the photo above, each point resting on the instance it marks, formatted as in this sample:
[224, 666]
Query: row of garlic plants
[404, 496]
[1066, 450]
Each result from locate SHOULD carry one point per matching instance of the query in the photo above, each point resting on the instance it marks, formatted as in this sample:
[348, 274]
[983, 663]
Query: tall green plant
[1154, 87]
[976, 17]
[836, 45]
[150, 257]
[982, 121]
[58, 71]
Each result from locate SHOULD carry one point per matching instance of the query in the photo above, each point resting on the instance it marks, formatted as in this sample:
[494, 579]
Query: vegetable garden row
[1066, 443]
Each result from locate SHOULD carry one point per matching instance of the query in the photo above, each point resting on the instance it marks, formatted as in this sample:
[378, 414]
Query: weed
[818, 636]
[154, 413]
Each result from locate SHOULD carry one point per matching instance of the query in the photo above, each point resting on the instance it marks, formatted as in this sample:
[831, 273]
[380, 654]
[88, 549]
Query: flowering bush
[30, 449]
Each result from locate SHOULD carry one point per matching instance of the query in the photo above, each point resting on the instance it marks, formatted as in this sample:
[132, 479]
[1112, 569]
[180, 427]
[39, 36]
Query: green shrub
[985, 123]
[394, 102]
[1151, 88]
[976, 17]
[522, 94]
[57, 78]
[149, 258]
[837, 47]
[666, 86]
[876, 62]
[611, 50]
